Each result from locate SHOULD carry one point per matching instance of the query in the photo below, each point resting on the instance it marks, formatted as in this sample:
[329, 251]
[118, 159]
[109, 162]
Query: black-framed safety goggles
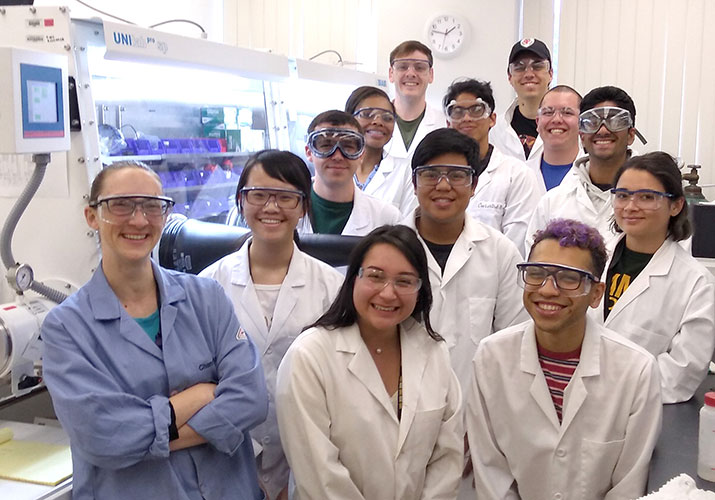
[325, 142]
[533, 275]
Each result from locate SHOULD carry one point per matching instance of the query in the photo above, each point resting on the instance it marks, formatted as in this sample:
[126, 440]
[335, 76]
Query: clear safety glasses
[283, 198]
[372, 114]
[375, 278]
[325, 142]
[615, 119]
[122, 207]
[431, 175]
[565, 113]
[645, 199]
[403, 65]
[521, 67]
[569, 280]
[476, 110]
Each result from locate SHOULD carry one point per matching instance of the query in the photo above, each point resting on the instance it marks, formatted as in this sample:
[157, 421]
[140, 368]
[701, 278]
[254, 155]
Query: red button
[49, 22]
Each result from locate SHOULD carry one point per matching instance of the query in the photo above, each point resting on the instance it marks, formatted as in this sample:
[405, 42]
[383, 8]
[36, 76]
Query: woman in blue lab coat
[148, 370]
[276, 289]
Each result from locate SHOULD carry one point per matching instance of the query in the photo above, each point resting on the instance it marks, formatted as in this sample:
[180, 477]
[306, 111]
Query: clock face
[446, 34]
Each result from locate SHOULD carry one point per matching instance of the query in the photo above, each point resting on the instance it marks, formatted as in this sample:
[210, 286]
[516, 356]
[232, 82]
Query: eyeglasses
[283, 198]
[533, 275]
[645, 199]
[478, 110]
[419, 65]
[520, 67]
[404, 284]
[550, 112]
[431, 175]
[615, 119]
[325, 142]
[154, 208]
[373, 114]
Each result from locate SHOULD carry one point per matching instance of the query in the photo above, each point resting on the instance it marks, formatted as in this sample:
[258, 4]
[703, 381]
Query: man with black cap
[530, 74]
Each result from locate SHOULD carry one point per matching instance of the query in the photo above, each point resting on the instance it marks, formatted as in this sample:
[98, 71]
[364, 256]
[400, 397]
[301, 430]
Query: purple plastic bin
[131, 147]
[186, 146]
[143, 147]
[171, 146]
[213, 145]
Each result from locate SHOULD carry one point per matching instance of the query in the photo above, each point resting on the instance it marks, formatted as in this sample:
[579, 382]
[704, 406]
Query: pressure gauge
[20, 277]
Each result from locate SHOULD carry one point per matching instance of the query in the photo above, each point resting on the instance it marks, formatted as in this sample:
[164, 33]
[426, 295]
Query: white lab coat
[504, 137]
[506, 196]
[611, 419]
[575, 198]
[669, 309]
[307, 291]
[434, 118]
[393, 183]
[340, 430]
[534, 163]
[478, 293]
[368, 213]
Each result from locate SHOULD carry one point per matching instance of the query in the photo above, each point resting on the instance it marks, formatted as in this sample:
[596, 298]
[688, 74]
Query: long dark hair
[342, 312]
[662, 166]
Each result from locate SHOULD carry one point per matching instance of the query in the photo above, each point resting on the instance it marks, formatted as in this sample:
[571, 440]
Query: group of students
[280, 377]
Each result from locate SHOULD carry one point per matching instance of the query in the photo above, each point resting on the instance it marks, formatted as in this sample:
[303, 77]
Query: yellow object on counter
[33, 462]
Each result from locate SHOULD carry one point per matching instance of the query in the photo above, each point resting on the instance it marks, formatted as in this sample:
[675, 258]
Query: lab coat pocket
[422, 436]
[651, 340]
[598, 461]
[481, 316]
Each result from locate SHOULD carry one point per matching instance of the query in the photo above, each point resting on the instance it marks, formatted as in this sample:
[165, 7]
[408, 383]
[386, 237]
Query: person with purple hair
[560, 406]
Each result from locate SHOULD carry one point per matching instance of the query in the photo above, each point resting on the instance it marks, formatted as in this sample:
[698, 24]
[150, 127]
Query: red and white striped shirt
[558, 368]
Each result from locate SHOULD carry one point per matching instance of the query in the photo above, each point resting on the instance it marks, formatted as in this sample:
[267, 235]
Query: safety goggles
[372, 114]
[645, 199]
[325, 142]
[569, 280]
[615, 119]
[476, 110]
[376, 279]
[283, 198]
[521, 67]
[403, 65]
[565, 112]
[122, 207]
[431, 175]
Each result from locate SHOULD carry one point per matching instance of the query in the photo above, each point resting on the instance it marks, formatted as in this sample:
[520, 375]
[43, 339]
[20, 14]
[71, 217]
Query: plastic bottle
[706, 441]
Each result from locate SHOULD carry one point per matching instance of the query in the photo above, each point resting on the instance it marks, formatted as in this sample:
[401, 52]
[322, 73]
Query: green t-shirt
[625, 266]
[150, 324]
[329, 217]
[408, 129]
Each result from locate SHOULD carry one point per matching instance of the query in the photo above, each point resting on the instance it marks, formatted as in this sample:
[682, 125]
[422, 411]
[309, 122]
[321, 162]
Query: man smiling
[607, 129]
[559, 406]
[530, 73]
[471, 265]
[557, 125]
[335, 147]
[411, 72]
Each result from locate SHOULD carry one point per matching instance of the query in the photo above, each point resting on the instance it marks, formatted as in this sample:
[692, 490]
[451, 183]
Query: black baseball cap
[530, 45]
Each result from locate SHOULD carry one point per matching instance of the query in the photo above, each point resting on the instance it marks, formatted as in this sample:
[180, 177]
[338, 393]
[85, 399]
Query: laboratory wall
[364, 32]
[656, 50]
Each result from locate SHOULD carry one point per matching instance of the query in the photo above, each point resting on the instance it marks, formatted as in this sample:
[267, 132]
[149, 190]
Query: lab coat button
[558, 496]
[560, 452]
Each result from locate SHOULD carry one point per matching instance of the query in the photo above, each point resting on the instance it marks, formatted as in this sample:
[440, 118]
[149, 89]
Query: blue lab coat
[110, 385]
